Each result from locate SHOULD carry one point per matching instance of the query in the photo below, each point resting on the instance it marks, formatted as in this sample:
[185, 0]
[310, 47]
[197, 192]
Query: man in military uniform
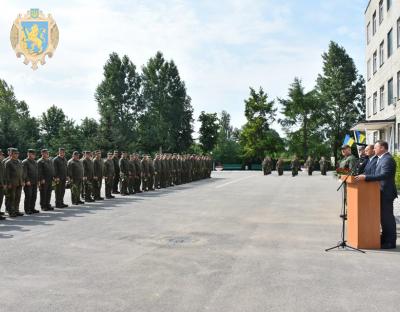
[124, 173]
[31, 178]
[349, 161]
[145, 173]
[309, 165]
[75, 175]
[98, 169]
[6, 194]
[2, 183]
[138, 177]
[116, 172]
[295, 166]
[323, 165]
[362, 161]
[60, 177]
[279, 166]
[151, 174]
[45, 176]
[88, 174]
[132, 174]
[15, 180]
[109, 175]
[157, 171]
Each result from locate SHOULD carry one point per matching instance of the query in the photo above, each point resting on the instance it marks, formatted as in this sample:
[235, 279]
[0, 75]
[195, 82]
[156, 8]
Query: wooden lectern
[363, 214]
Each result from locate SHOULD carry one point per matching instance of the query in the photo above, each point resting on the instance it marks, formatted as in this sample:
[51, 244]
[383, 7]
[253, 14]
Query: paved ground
[237, 242]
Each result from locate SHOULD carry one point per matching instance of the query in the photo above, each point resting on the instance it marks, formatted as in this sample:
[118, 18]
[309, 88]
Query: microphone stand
[343, 243]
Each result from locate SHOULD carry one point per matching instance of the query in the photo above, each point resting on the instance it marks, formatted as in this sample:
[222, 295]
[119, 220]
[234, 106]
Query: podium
[363, 214]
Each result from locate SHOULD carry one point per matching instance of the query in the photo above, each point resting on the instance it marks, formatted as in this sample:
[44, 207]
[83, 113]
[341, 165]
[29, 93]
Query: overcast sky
[220, 47]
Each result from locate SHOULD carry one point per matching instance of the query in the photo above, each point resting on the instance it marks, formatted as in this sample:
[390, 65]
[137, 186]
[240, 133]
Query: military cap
[116, 152]
[75, 153]
[44, 150]
[109, 153]
[14, 151]
[97, 151]
[31, 151]
[87, 152]
[61, 149]
[344, 146]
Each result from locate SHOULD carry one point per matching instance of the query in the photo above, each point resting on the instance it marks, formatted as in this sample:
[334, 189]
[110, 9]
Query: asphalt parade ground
[237, 242]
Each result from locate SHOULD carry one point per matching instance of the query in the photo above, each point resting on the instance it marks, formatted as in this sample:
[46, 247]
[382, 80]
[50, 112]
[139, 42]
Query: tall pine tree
[257, 138]
[119, 103]
[341, 93]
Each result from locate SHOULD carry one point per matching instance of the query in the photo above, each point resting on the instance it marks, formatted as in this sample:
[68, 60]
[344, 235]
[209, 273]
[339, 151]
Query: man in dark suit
[385, 173]
[372, 159]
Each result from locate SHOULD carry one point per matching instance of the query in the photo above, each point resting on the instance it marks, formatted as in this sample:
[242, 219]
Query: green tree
[341, 93]
[168, 114]
[17, 128]
[58, 130]
[90, 133]
[119, 103]
[257, 138]
[227, 149]
[302, 120]
[208, 131]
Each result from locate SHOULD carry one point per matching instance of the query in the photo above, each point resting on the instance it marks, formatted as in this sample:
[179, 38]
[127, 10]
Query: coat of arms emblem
[34, 36]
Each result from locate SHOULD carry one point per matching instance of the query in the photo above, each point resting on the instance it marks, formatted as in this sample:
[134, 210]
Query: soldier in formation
[267, 165]
[84, 176]
[309, 165]
[75, 175]
[279, 166]
[323, 165]
[3, 185]
[349, 161]
[31, 178]
[109, 175]
[295, 165]
[45, 176]
[60, 177]
[98, 173]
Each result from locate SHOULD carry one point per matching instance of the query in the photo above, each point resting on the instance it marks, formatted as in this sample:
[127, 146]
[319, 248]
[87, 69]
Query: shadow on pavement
[22, 224]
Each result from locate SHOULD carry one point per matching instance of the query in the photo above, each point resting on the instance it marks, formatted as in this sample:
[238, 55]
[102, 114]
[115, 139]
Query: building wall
[389, 69]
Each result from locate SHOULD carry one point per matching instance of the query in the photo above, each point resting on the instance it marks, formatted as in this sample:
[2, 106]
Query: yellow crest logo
[34, 36]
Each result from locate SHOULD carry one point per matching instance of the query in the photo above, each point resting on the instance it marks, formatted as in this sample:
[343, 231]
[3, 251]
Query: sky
[221, 47]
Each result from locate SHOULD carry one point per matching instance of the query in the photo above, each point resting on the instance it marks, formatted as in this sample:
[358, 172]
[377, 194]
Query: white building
[382, 27]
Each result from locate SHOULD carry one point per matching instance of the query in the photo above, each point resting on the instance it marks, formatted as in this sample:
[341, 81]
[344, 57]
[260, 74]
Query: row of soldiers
[295, 165]
[122, 174]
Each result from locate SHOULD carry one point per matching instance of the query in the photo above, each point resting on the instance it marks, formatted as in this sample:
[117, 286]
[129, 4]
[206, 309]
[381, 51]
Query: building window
[390, 43]
[388, 4]
[369, 69]
[369, 107]
[398, 135]
[376, 136]
[369, 32]
[382, 98]
[374, 23]
[374, 104]
[390, 91]
[398, 85]
[381, 53]
[374, 60]
[380, 11]
[398, 32]
[382, 134]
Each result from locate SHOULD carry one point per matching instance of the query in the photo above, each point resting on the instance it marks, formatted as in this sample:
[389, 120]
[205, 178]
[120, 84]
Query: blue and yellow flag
[360, 138]
[348, 140]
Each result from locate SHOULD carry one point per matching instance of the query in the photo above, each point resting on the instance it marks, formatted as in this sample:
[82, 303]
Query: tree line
[148, 110]
[314, 121]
